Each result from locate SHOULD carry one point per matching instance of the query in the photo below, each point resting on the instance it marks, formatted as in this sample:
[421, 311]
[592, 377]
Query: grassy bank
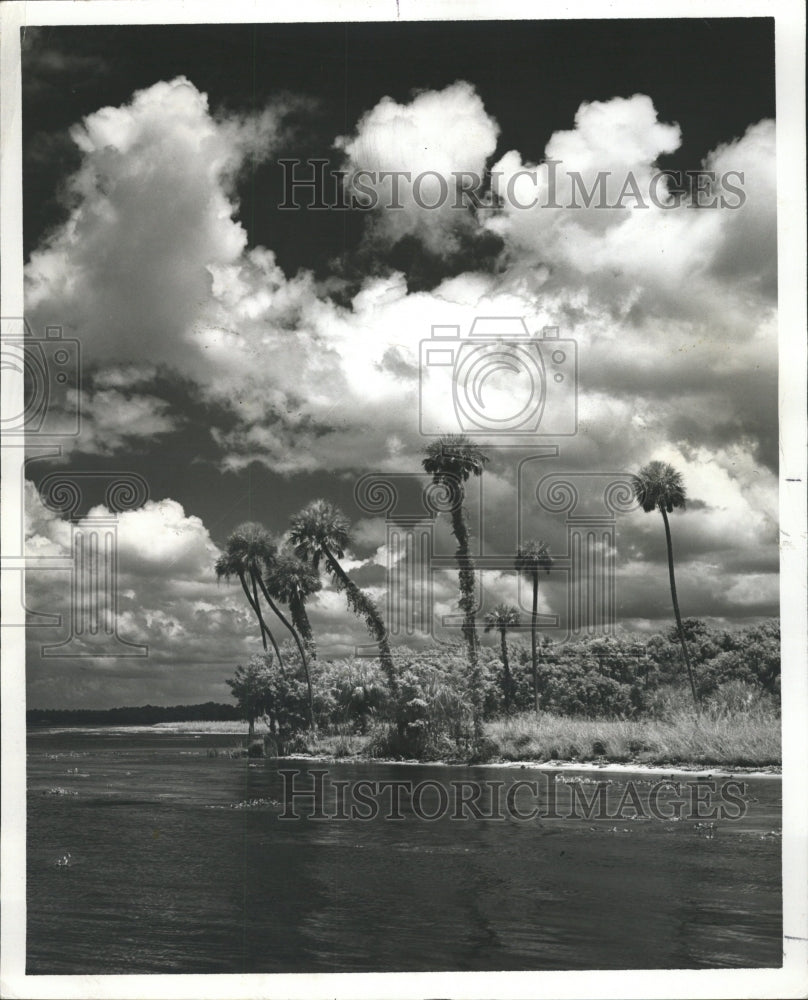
[743, 739]
[731, 739]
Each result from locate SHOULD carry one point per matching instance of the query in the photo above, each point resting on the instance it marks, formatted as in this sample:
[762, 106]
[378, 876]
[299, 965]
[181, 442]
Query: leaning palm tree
[321, 532]
[658, 486]
[503, 617]
[243, 559]
[291, 581]
[451, 461]
[531, 559]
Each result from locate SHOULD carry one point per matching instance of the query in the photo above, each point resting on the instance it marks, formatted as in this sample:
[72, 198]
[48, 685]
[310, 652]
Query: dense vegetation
[630, 678]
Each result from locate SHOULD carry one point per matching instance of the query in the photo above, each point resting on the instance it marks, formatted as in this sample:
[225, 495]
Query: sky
[244, 359]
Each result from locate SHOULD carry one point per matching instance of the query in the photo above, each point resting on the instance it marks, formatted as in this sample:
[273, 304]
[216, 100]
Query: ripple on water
[179, 863]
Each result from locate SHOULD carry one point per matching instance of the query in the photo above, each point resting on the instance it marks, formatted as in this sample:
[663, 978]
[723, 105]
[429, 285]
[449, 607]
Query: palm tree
[531, 559]
[264, 552]
[243, 558]
[291, 581]
[503, 617]
[321, 532]
[658, 486]
[451, 460]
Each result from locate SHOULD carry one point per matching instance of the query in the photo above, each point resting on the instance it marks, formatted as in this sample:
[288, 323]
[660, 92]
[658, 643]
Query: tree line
[627, 676]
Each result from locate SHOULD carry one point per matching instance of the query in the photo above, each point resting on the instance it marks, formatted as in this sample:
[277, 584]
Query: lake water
[146, 855]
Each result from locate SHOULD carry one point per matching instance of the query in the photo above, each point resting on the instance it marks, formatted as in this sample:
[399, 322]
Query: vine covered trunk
[676, 612]
[365, 607]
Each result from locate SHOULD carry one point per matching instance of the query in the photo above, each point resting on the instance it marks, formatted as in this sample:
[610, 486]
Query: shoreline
[693, 769]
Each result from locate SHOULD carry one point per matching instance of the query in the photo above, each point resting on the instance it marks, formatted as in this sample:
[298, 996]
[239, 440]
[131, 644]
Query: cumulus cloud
[417, 159]
[112, 420]
[152, 213]
[167, 600]
[635, 259]
[672, 310]
[746, 257]
[312, 384]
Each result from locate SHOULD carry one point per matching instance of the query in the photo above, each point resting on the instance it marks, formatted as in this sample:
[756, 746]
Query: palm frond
[659, 485]
[454, 455]
[532, 557]
[320, 525]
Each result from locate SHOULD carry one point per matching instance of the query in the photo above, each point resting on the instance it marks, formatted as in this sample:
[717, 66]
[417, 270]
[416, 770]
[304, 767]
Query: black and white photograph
[403, 448]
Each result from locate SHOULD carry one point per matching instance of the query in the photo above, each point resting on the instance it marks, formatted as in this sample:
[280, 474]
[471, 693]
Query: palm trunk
[534, 644]
[468, 606]
[301, 650]
[507, 669]
[256, 612]
[253, 602]
[264, 627]
[300, 620]
[364, 606]
[465, 567]
[676, 606]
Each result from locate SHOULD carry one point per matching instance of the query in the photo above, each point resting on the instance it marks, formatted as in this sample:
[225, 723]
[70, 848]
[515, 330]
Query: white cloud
[111, 419]
[435, 138]
[152, 265]
[153, 205]
[168, 599]
[672, 311]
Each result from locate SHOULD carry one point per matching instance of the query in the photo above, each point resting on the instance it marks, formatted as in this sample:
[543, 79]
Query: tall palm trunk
[468, 605]
[465, 567]
[301, 650]
[506, 666]
[364, 606]
[256, 611]
[254, 604]
[676, 606]
[534, 643]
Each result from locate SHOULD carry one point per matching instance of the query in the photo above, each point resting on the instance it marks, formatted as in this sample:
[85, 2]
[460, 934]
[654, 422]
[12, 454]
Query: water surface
[145, 855]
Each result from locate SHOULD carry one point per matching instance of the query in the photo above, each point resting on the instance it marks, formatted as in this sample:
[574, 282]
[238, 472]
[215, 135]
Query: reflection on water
[146, 855]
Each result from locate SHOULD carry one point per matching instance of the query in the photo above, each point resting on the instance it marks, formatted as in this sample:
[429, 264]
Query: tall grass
[223, 728]
[731, 732]
[729, 738]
